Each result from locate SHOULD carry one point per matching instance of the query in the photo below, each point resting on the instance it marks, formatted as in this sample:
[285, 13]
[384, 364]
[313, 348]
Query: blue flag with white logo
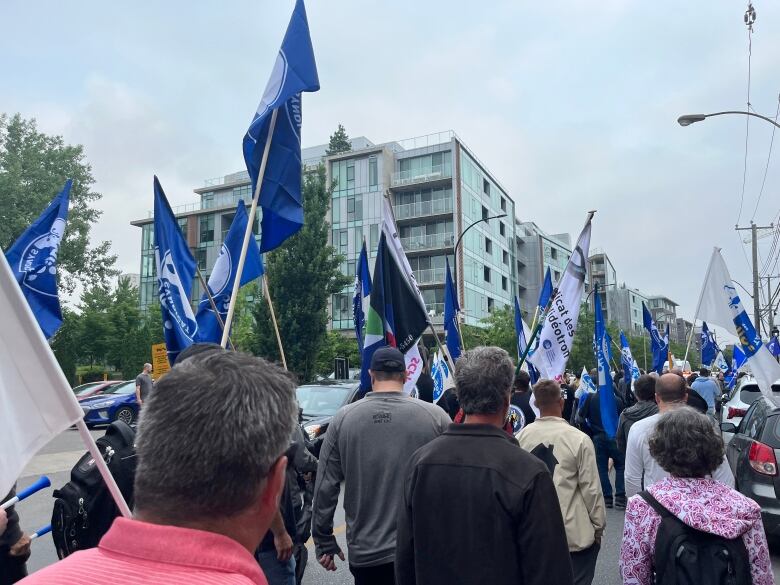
[451, 310]
[175, 272]
[33, 260]
[295, 71]
[361, 296]
[709, 349]
[774, 346]
[658, 346]
[223, 275]
[522, 342]
[547, 290]
[630, 369]
[607, 404]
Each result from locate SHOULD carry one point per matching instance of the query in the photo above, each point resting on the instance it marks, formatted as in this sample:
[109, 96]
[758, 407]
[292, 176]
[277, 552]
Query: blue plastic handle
[43, 482]
[46, 529]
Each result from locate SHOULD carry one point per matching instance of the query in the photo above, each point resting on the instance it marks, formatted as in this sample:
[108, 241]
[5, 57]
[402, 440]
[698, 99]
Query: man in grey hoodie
[368, 446]
[644, 389]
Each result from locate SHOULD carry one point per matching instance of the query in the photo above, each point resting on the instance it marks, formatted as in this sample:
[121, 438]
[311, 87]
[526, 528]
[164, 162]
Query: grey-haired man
[367, 446]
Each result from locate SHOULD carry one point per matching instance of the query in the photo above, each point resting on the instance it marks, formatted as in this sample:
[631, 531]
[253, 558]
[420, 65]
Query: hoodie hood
[707, 505]
[640, 410]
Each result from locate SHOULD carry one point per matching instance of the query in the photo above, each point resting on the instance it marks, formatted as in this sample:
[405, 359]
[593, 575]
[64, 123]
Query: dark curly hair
[685, 444]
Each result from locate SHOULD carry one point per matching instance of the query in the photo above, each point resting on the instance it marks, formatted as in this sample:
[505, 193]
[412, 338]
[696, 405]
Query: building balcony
[430, 276]
[430, 242]
[417, 176]
[423, 209]
[436, 313]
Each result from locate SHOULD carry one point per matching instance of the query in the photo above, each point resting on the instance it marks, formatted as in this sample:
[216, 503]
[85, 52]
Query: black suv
[752, 455]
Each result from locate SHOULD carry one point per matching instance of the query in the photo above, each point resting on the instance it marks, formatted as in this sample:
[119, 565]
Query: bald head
[671, 388]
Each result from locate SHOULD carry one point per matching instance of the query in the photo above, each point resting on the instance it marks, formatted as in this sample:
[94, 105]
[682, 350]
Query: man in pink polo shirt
[211, 466]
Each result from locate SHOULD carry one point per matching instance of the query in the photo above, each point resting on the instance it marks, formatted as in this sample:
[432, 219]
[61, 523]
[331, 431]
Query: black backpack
[686, 556]
[84, 509]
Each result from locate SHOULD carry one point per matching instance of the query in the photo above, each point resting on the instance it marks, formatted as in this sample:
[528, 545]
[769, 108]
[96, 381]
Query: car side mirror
[728, 427]
[724, 399]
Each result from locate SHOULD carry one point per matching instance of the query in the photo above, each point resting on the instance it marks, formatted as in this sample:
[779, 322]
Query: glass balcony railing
[430, 242]
[435, 312]
[423, 175]
[423, 208]
[430, 275]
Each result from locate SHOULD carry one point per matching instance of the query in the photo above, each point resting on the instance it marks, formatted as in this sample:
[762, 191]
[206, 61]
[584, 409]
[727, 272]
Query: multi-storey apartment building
[624, 306]
[603, 274]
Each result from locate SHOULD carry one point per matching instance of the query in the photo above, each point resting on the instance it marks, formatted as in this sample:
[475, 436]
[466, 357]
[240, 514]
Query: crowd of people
[501, 482]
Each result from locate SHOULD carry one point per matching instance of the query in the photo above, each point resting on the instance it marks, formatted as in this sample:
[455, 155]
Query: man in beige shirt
[571, 459]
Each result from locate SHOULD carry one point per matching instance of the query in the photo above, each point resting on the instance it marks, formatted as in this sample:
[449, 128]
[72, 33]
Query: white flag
[442, 377]
[413, 359]
[720, 304]
[560, 322]
[37, 401]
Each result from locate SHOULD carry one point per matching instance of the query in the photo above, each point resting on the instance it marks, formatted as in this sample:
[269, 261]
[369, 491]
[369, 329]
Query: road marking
[336, 531]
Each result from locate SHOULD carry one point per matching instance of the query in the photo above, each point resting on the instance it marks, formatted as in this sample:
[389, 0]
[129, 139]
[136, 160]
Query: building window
[206, 229]
[556, 275]
[350, 175]
[488, 246]
[504, 283]
[485, 212]
[502, 228]
[636, 315]
[553, 253]
[374, 238]
[343, 241]
[633, 299]
[182, 221]
[373, 174]
[354, 208]
[342, 307]
[147, 237]
[486, 187]
[200, 258]
[147, 265]
[490, 304]
[350, 268]
[505, 257]
[207, 200]
[486, 273]
[503, 204]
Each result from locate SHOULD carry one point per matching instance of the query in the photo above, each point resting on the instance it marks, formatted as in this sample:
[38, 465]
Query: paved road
[57, 458]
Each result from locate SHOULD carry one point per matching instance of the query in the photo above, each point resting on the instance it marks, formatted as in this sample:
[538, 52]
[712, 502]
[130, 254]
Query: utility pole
[756, 282]
[770, 308]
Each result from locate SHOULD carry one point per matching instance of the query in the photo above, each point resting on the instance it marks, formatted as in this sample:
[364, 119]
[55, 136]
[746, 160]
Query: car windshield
[322, 400]
[125, 388]
[749, 393]
[87, 388]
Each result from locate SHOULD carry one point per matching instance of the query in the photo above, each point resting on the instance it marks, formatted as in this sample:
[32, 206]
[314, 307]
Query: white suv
[745, 393]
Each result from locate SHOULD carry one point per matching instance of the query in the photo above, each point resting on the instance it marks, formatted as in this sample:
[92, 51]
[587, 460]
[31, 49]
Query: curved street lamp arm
[691, 118]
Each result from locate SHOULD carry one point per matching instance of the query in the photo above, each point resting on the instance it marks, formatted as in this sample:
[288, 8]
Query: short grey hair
[483, 379]
[209, 435]
[685, 443]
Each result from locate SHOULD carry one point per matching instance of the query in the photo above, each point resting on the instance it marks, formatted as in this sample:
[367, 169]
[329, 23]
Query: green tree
[33, 169]
[243, 330]
[95, 332]
[129, 345]
[302, 274]
[339, 141]
[337, 345]
[65, 345]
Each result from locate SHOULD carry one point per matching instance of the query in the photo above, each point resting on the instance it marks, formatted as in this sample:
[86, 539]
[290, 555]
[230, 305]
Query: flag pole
[213, 304]
[442, 347]
[267, 291]
[535, 332]
[698, 305]
[248, 232]
[113, 488]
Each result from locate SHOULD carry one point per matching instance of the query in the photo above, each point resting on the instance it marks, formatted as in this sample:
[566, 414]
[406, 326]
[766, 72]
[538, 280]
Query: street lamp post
[689, 119]
[455, 251]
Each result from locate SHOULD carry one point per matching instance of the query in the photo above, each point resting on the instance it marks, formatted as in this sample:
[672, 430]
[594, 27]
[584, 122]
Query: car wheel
[125, 414]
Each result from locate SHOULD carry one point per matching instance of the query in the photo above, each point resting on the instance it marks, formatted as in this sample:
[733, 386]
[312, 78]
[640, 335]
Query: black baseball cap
[388, 359]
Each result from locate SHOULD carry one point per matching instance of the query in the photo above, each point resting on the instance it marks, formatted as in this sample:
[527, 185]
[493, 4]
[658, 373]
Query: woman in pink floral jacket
[685, 444]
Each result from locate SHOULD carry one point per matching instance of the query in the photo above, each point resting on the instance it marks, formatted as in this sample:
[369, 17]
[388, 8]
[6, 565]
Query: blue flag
[362, 293]
[630, 369]
[607, 404]
[774, 346]
[522, 342]
[223, 275]
[709, 349]
[280, 194]
[33, 260]
[546, 292]
[451, 310]
[175, 271]
[658, 346]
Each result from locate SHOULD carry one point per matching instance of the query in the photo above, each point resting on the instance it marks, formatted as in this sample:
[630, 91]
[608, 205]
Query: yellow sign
[160, 365]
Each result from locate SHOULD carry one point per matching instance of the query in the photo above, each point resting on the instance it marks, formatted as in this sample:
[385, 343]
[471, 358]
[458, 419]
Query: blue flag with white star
[175, 272]
[223, 275]
[33, 260]
[295, 71]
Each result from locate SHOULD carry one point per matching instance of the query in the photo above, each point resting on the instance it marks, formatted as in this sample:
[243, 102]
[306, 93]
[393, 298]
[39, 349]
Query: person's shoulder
[82, 567]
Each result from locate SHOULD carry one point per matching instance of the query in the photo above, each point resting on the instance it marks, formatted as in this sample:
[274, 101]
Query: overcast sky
[572, 105]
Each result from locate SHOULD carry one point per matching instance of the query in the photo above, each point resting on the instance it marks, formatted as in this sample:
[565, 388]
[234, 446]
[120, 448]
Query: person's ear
[274, 484]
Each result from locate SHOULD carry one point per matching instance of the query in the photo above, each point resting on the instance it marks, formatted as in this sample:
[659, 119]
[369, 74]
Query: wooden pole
[248, 232]
[273, 319]
[205, 286]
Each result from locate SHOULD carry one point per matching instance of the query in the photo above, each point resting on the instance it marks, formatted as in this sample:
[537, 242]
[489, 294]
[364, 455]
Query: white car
[739, 399]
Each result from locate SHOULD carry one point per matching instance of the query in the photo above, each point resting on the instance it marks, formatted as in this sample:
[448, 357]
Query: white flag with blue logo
[721, 305]
[442, 377]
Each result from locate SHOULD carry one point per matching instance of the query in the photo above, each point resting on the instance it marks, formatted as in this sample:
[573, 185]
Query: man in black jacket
[644, 389]
[507, 528]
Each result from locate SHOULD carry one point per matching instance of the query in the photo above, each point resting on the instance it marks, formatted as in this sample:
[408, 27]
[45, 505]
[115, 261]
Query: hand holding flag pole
[43, 482]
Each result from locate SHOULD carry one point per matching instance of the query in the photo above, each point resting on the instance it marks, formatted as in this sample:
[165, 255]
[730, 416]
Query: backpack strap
[655, 504]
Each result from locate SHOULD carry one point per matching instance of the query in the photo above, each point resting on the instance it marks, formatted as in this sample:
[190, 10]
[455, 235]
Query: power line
[750, 18]
[768, 158]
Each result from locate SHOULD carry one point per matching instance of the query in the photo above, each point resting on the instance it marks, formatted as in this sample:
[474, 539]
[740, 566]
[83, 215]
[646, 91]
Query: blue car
[115, 403]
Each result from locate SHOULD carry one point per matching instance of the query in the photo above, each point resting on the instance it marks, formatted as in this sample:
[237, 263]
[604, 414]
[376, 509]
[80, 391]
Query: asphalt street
[57, 458]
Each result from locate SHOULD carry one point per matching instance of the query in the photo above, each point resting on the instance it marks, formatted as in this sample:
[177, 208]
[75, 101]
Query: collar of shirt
[159, 544]
[478, 430]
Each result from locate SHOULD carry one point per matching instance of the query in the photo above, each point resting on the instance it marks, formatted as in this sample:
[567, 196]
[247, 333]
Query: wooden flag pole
[248, 232]
[267, 291]
[443, 348]
[205, 286]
